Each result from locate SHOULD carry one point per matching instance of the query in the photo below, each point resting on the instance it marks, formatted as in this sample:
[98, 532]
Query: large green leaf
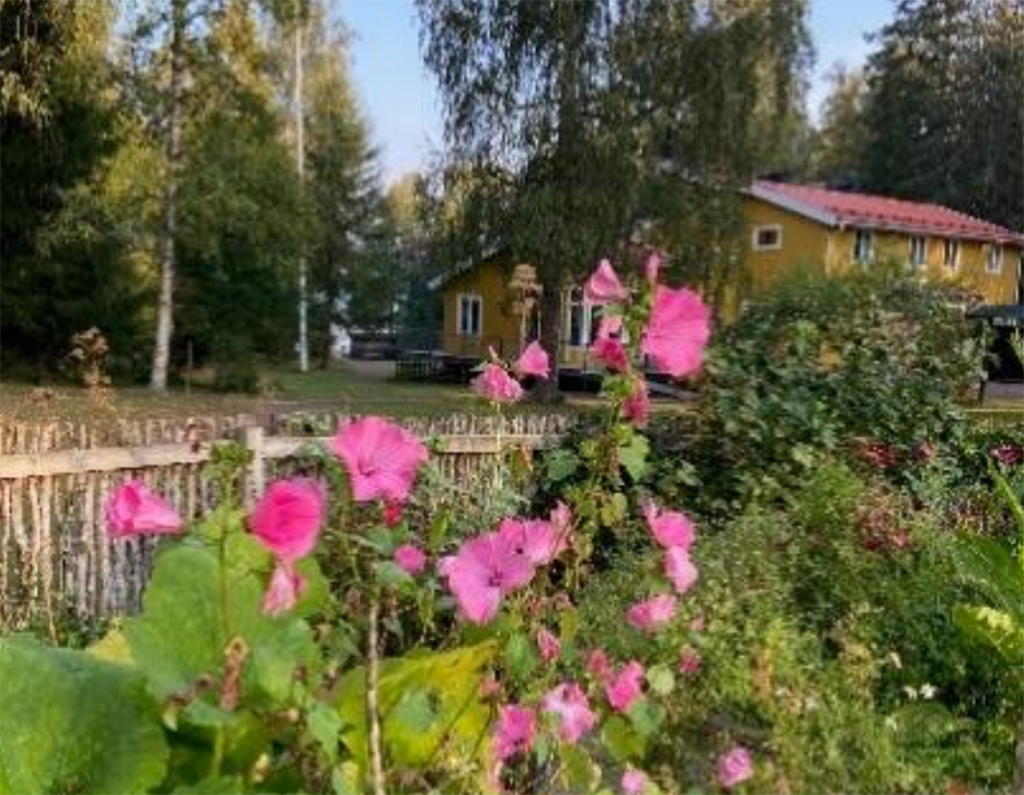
[993, 627]
[73, 723]
[989, 566]
[430, 707]
[183, 631]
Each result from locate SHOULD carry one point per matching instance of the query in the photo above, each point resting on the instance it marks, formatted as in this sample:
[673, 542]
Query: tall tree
[570, 114]
[842, 136]
[944, 110]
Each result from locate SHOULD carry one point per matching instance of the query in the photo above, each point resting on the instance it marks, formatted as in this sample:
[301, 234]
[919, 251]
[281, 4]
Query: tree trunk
[550, 333]
[300, 167]
[165, 309]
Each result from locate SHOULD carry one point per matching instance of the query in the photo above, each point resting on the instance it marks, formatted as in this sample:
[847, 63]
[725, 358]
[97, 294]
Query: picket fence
[57, 563]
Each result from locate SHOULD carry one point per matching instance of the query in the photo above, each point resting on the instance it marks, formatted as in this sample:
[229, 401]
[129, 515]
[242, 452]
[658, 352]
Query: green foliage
[74, 723]
[822, 361]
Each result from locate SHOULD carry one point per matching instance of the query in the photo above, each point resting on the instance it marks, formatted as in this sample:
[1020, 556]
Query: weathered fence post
[255, 476]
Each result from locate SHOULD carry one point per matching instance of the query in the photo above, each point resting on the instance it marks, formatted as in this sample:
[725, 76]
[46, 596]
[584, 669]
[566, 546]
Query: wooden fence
[56, 561]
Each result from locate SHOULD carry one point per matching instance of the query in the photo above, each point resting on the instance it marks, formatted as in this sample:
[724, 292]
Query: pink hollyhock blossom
[611, 353]
[625, 687]
[670, 528]
[288, 517]
[549, 645]
[497, 385]
[382, 459]
[1007, 454]
[561, 519]
[132, 509]
[514, 731]
[534, 361]
[637, 407]
[603, 286]
[286, 586]
[485, 569]
[689, 660]
[598, 665]
[538, 541]
[410, 559]
[569, 702]
[652, 267]
[634, 782]
[680, 569]
[678, 331]
[697, 625]
[609, 326]
[735, 766]
[652, 614]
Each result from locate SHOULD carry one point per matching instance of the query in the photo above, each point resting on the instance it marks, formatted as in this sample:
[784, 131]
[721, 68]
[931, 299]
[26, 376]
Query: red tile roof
[841, 208]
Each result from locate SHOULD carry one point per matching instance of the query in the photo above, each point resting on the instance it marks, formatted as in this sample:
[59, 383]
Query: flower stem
[372, 701]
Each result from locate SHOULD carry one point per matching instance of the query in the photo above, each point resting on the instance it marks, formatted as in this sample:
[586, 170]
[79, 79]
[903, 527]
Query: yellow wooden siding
[803, 245]
[499, 327]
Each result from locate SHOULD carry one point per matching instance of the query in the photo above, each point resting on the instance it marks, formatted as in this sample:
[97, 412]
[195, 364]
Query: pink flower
[626, 687]
[680, 569]
[561, 519]
[288, 517]
[697, 625]
[132, 509]
[549, 645]
[603, 286]
[735, 766]
[286, 586]
[1007, 454]
[678, 330]
[634, 782]
[652, 266]
[497, 385]
[637, 407]
[671, 528]
[410, 559]
[598, 665]
[538, 541]
[689, 660]
[570, 703]
[485, 569]
[382, 459]
[534, 361]
[652, 614]
[611, 353]
[609, 326]
[514, 730]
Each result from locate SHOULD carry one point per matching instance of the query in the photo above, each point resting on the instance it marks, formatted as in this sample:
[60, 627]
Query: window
[583, 319]
[994, 259]
[951, 253]
[918, 251]
[470, 315]
[862, 246]
[767, 237]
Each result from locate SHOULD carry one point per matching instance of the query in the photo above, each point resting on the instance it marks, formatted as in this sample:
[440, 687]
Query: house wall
[500, 326]
[810, 244]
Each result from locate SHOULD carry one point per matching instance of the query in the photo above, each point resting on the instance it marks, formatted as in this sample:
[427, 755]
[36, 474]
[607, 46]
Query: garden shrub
[821, 362]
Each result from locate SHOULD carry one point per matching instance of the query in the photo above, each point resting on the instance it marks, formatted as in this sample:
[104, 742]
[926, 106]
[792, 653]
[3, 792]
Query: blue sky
[401, 103]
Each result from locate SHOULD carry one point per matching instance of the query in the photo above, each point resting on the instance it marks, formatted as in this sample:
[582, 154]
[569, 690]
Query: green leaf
[622, 740]
[988, 565]
[992, 627]
[646, 716]
[325, 725]
[661, 679]
[446, 687]
[74, 723]
[579, 772]
[182, 631]
[520, 657]
[561, 464]
[633, 456]
[220, 785]
[391, 575]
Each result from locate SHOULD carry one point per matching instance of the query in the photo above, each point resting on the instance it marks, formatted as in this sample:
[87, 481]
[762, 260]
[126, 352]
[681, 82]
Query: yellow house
[788, 227]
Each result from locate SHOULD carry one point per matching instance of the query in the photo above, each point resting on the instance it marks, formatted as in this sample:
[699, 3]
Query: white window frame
[859, 257]
[997, 268]
[951, 244]
[461, 325]
[586, 318]
[756, 245]
[917, 264]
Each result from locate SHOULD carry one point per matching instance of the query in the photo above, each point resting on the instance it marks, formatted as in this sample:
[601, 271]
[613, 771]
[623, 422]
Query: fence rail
[56, 560]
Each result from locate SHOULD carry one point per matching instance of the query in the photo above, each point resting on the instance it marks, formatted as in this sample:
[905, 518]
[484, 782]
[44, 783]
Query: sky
[400, 100]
